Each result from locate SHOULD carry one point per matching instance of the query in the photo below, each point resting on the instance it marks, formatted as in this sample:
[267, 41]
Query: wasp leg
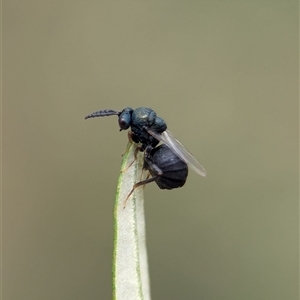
[136, 151]
[144, 182]
[129, 144]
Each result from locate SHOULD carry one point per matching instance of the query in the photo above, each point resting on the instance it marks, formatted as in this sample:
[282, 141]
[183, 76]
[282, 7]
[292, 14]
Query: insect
[167, 163]
[165, 167]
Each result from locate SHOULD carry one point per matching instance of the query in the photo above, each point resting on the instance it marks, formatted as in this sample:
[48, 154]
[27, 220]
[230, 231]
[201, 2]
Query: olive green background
[223, 75]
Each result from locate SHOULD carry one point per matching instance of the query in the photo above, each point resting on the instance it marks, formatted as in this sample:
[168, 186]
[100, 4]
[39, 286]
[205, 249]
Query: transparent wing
[171, 141]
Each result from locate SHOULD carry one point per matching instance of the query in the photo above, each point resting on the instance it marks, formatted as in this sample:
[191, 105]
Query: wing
[171, 141]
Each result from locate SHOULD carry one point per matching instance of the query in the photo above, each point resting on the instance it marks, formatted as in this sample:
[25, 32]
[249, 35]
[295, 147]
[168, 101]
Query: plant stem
[130, 266]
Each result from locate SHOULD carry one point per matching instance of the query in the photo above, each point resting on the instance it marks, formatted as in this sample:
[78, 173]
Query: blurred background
[222, 74]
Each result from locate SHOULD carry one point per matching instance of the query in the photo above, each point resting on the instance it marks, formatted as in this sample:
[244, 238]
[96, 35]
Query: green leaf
[130, 266]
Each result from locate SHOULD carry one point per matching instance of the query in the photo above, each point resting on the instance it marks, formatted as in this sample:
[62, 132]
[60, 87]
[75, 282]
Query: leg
[129, 144]
[135, 157]
[157, 171]
[143, 182]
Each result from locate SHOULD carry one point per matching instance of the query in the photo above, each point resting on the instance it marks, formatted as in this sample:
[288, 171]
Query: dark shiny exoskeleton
[166, 163]
[166, 168]
[139, 120]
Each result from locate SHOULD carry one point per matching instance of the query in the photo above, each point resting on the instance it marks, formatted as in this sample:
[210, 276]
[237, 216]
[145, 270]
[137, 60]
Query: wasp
[167, 163]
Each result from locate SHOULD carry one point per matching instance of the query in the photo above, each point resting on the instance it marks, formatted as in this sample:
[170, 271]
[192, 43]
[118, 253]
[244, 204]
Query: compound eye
[125, 118]
[124, 122]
